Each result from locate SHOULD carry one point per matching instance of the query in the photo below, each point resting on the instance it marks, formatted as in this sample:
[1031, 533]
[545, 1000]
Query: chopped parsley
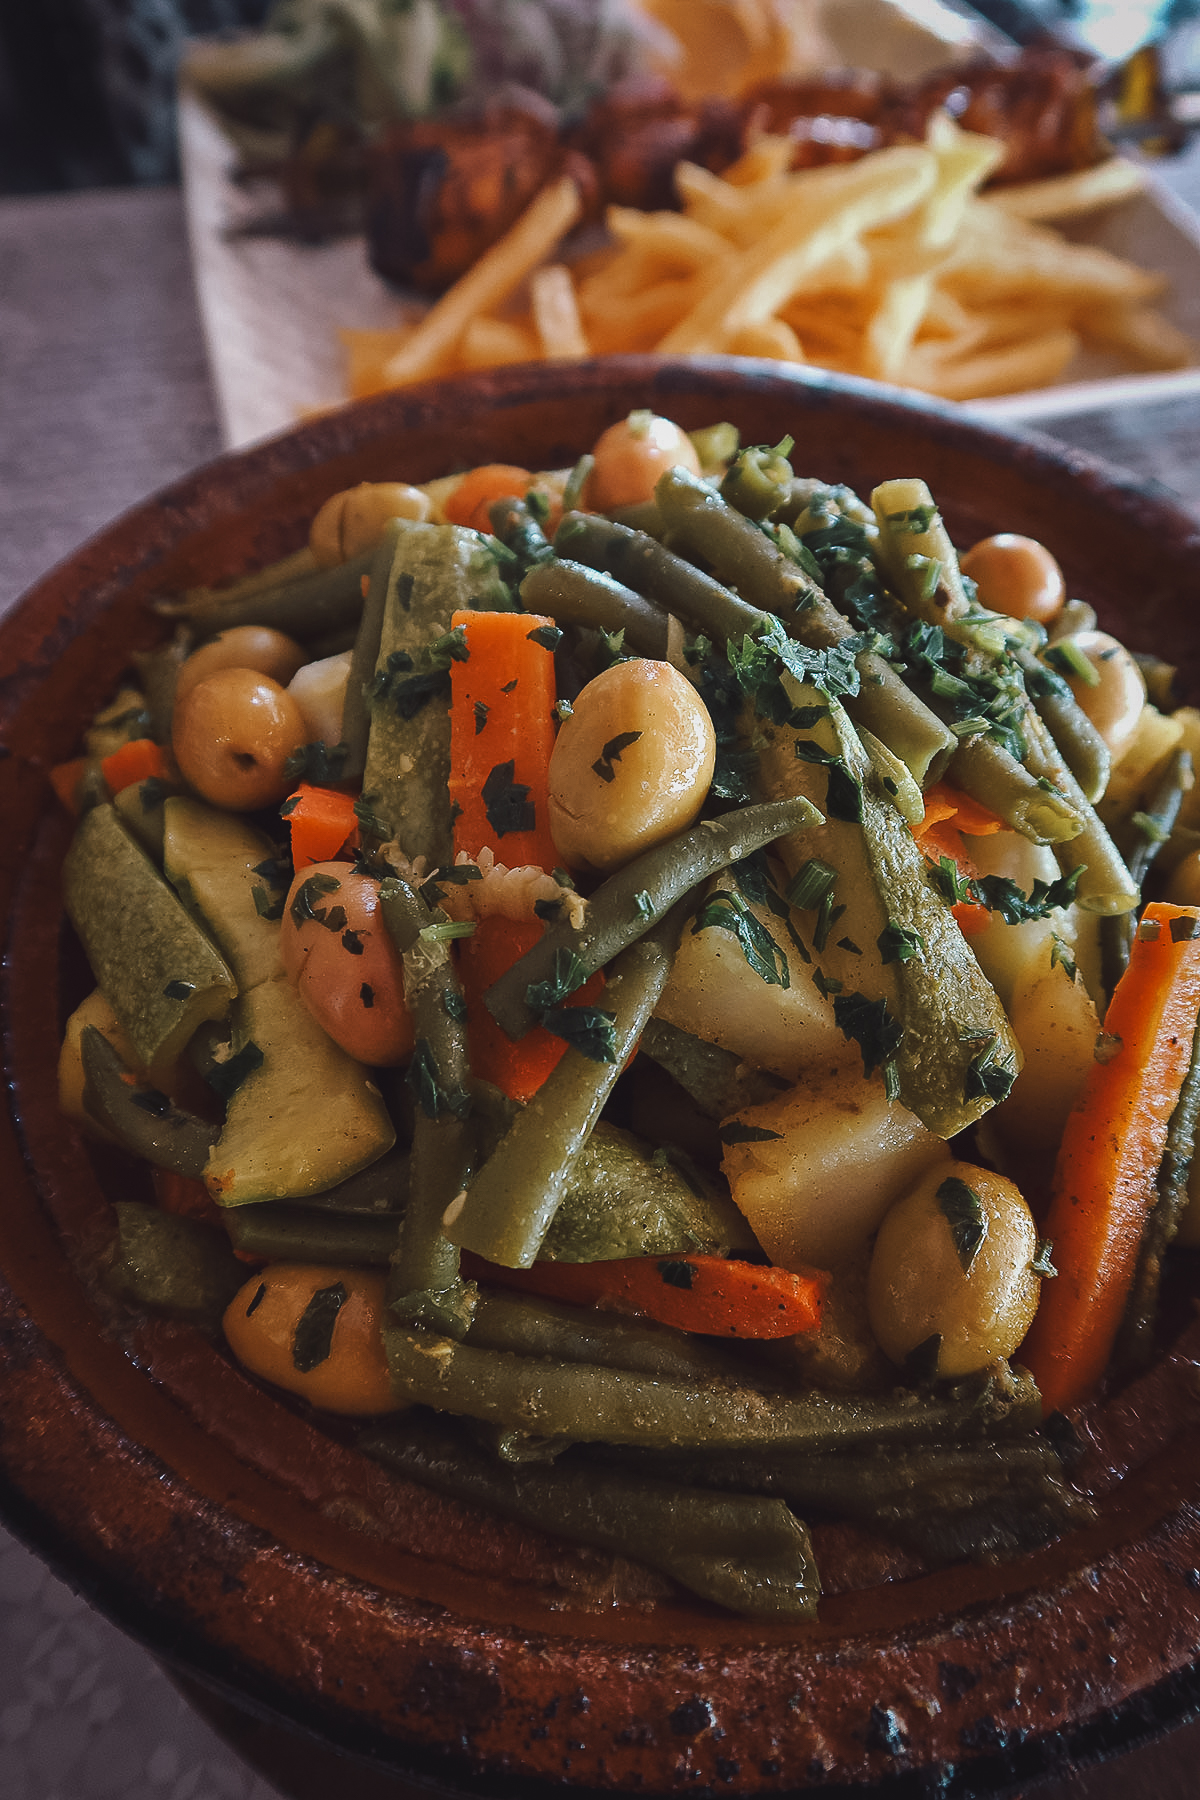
[736, 1133]
[225, 1078]
[963, 1212]
[312, 1341]
[179, 990]
[899, 944]
[506, 801]
[570, 972]
[870, 1025]
[589, 1029]
[548, 636]
[612, 753]
[727, 911]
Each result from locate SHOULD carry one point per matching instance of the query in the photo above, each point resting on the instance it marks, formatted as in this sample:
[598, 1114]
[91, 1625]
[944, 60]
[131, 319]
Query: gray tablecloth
[104, 396]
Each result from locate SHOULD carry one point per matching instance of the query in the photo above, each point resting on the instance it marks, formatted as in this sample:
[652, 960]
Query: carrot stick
[517, 1067]
[1105, 1176]
[322, 819]
[501, 735]
[703, 1294]
[139, 760]
[185, 1197]
[470, 500]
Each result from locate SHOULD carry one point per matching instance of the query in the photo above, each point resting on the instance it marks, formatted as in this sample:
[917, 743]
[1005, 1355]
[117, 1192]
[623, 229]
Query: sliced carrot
[705, 1294]
[65, 779]
[972, 917]
[517, 1068]
[1105, 1176]
[469, 502]
[945, 802]
[501, 736]
[322, 820]
[139, 760]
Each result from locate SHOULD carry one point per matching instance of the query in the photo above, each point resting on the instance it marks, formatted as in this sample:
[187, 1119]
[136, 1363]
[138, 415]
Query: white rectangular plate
[272, 308]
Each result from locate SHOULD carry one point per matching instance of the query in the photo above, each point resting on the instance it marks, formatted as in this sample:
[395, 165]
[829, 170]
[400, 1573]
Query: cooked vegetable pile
[633, 983]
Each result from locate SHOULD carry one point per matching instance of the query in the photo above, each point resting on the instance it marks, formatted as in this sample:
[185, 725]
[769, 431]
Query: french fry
[1008, 369]
[1072, 196]
[1141, 333]
[489, 283]
[555, 313]
[892, 266]
[769, 337]
[487, 343]
[758, 281]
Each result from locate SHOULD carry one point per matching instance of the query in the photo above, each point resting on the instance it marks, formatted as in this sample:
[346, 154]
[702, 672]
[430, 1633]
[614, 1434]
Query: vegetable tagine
[631, 991]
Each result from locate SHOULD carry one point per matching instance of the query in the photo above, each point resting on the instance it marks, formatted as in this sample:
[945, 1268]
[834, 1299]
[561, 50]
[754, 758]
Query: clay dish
[254, 1550]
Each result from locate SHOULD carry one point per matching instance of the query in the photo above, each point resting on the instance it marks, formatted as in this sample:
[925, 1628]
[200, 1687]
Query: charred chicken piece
[638, 133]
[443, 191]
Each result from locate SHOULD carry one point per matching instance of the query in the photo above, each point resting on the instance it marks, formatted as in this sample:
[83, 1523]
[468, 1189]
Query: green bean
[303, 605]
[284, 1233]
[758, 480]
[1104, 885]
[1141, 838]
[625, 906]
[746, 558]
[506, 1211]
[590, 1404]
[1079, 743]
[524, 1326]
[259, 581]
[1135, 1344]
[576, 595]
[737, 1550]
[984, 769]
[1160, 678]
[518, 529]
[649, 568]
[916, 552]
[171, 1265]
[356, 710]
[719, 1081]
[980, 1502]
[1075, 616]
[424, 1283]
[145, 1121]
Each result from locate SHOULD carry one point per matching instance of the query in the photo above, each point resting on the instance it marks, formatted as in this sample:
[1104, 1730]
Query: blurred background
[87, 86]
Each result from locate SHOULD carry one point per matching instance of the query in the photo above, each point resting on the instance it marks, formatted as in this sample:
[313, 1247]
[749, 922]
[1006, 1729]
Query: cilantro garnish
[736, 1133]
[570, 972]
[227, 1077]
[612, 753]
[963, 1212]
[987, 1077]
[312, 1340]
[728, 912]
[506, 801]
[589, 1029]
[870, 1025]
[897, 943]
[548, 636]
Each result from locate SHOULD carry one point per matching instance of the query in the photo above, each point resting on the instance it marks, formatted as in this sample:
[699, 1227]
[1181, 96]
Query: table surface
[104, 397]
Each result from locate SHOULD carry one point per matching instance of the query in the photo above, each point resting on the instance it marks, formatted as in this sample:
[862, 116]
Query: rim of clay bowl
[52, 676]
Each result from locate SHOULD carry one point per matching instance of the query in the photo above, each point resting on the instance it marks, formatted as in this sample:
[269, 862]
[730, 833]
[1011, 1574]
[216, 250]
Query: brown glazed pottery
[253, 1549]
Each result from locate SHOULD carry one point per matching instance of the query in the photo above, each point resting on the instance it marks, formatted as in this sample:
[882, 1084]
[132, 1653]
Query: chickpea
[352, 1375]
[922, 1285]
[630, 457]
[257, 647]
[1017, 576]
[631, 766]
[345, 966]
[353, 520]
[232, 736]
[1114, 704]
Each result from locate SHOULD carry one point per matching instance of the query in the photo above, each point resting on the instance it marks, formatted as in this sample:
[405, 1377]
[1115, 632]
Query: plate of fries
[1077, 292]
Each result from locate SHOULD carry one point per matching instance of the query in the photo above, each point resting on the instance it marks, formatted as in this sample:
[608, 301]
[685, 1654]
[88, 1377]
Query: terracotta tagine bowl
[252, 1549]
